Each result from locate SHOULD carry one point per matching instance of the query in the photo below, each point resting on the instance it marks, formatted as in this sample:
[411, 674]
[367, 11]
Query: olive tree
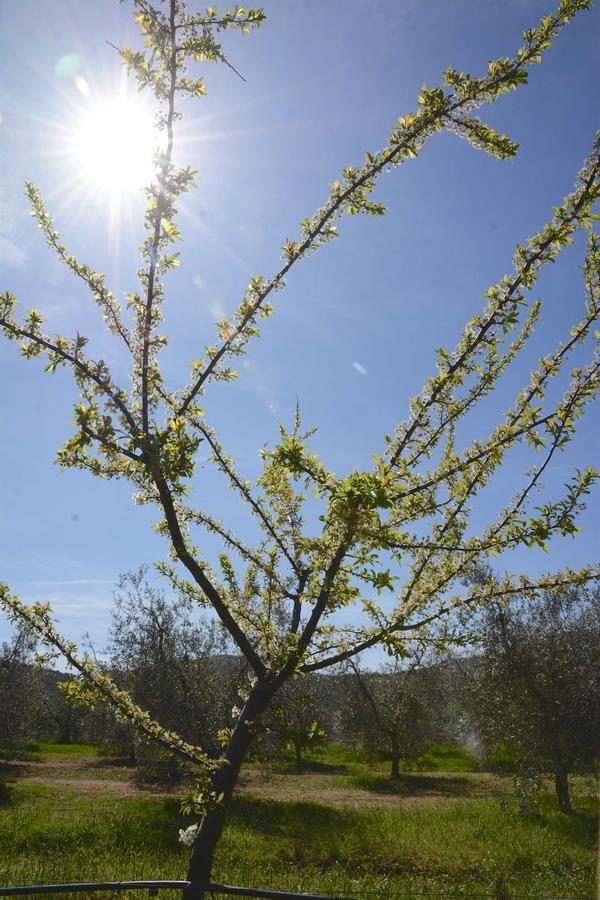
[176, 667]
[400, 525]
[21, 689]
[296, 717]
[536, 686]
[392, 707]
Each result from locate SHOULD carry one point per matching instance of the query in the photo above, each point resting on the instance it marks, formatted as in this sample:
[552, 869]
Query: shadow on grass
[276, 817]
[413, 784]
[5, 794]
[9, 771]
[112, 762]
[580, 826]
[312, 765]
[20, 755]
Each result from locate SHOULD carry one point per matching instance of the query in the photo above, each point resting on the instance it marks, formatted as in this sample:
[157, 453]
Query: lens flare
[114, 145]
[82, 85]
[68, 65]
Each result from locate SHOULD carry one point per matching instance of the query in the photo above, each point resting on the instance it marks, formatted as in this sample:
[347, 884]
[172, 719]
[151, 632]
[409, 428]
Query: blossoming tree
[399, 526]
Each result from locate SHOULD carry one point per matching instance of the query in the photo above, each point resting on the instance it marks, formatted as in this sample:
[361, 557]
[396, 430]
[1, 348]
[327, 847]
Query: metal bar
[92, 886]
[154, 886]
[232, 891]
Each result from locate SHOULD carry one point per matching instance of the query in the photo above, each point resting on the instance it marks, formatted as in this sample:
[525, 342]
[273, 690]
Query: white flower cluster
[187, 836]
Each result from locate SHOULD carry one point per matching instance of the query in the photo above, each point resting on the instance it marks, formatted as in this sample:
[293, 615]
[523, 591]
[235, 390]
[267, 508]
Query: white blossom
[187, 836]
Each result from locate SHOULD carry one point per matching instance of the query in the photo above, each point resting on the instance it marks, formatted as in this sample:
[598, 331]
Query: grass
[458, 845]
[466, 845]
[38, 751]
[413, 784]
[435, 758]
[330, 758]
[445, 758]
[41, 750]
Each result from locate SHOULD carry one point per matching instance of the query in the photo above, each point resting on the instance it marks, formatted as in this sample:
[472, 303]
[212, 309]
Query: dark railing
[153, 887]
[214, 890]
[231, 891]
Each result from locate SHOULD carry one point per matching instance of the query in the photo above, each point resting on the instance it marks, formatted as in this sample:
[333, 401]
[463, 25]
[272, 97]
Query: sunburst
[113, 145]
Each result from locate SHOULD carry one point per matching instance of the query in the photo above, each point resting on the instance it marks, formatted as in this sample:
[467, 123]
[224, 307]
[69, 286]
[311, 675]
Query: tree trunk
[224, 781]
[561, 781]
[395, 772]
[298, 753]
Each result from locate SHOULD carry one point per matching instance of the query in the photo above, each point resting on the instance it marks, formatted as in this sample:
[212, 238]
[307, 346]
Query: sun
[113, 143]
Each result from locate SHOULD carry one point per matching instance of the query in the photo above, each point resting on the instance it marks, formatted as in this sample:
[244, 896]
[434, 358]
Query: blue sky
[356, 329]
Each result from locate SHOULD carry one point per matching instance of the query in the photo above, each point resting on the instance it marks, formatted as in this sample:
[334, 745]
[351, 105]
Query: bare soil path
[82, 774]
[94, 775]
[91, 775]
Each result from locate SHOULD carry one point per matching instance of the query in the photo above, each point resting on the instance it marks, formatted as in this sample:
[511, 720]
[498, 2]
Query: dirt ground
[335, 789]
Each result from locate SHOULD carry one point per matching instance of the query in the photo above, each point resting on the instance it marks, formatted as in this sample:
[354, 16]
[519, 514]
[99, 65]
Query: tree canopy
[537, 685]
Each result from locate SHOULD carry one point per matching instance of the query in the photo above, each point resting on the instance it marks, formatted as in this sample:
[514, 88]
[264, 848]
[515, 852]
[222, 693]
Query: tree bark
[561, 781]
[224, 781]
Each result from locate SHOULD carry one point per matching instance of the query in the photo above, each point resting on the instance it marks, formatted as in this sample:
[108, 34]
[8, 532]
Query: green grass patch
[436, 757]
[466, 844]
[340, 754]
[41, 750]
[334, 758]
[444, 758]
[460, 845]
[505, 759]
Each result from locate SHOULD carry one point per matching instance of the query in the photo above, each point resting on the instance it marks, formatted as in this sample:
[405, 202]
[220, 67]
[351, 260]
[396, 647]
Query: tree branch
[422, 126]
[203, 581]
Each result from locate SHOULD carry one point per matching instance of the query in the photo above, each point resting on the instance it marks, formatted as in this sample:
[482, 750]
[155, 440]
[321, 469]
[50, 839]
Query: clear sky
[356, 330]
